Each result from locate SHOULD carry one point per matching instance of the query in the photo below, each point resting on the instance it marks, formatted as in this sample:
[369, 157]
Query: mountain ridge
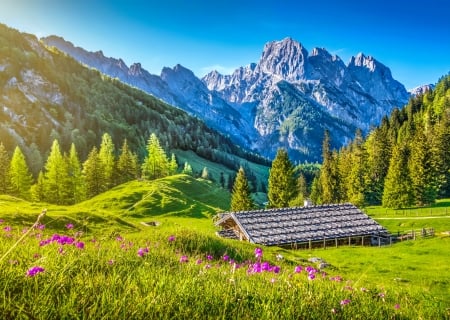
[252, 104]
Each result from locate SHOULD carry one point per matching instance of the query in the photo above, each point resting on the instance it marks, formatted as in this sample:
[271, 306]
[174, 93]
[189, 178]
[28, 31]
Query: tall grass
[185, 275]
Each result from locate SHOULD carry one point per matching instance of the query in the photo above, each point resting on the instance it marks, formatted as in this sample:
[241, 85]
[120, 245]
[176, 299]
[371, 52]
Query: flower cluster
[34, 271]
[62, 240]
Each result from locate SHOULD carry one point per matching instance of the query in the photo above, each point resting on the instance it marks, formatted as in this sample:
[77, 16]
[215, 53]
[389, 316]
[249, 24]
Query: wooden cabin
[303, 227]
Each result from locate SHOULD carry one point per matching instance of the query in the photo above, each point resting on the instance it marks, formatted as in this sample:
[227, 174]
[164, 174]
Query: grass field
[179, 269]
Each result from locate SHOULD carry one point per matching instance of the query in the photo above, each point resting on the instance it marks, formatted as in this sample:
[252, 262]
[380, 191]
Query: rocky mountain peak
[285, 58]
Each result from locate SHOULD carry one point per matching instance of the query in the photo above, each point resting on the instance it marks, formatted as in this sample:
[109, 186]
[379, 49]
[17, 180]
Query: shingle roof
[302, 224]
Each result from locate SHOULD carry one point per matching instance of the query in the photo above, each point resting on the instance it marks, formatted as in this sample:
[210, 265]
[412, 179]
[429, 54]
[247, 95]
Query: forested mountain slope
[47, 95]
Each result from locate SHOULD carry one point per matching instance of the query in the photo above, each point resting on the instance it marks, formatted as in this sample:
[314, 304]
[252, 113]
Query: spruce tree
[20, 176]
[93, 174]
[282, 184]
[156, 164]
[241, 199]
[173, 165]
[5, 181]
[356, 187]
[75, 183]
[398, 192]
[37, 189]
[187, 169]
[329, 174]
[127, 165]
[106, 156]
[55, 176]
[422, 170]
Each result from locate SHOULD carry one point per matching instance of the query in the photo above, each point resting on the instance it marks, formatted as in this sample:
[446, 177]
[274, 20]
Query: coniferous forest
[403, 162]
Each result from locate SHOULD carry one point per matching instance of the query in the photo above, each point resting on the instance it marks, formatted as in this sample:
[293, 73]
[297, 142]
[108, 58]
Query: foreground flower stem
[24, 235]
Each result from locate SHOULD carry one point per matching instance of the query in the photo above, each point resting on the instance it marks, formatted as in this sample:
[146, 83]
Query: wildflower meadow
[69, 274]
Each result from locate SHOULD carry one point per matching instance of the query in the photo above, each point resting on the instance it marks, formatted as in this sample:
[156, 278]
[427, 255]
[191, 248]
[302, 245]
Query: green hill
[131, 206]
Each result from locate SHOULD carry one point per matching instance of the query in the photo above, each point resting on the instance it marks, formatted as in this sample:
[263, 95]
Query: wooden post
[349, 241]
[336, 241]
[362, 241]
[324, 243]
[310, 245]
[379, 241]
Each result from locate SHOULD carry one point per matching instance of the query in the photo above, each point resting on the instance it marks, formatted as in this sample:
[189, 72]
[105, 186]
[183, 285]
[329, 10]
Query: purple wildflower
[7, 228]
[79, 245]
[111, 262]
[199, 261]
[69, 226]
[171, 238]
[396, 306]
[142, 251]
[34, 271]
[298, 269]
[119, 238]
[345, 302]
[41, 226]
[1, 221]
[258, 252]
[225, 257]
[184, 259]
[276, 269]
[209, 257]
[311, 276]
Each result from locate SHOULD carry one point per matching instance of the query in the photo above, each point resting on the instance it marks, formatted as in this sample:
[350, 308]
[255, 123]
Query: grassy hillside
[402, 281]
[167, 201]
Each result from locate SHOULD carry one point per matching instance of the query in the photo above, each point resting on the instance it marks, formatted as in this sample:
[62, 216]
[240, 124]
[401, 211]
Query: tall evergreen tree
[378, 149]
[173, 165]
[422, 170]
[356, 187]
[93, 174]
[329, 173]
[398, 192]
[316, 191]
[37, 189]
[75, 189]
[241, 199]
[282, 183]
[55, 175]
[5, 181]
[20, 176]
[127, 165]
[106, 156]
[156, 164]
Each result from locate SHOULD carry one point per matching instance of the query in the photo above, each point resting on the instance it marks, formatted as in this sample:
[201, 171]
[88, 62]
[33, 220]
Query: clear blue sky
[411, 37]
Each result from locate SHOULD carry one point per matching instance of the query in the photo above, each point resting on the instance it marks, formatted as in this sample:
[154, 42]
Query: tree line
[65, 180]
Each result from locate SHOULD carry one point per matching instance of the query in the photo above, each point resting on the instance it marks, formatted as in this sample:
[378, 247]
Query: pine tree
[187, 169]
[329, 174]
[93, 174]
[356, 187]
[205, 174]
[20, 176]
[156, 164]
[55, 175]
[37, 189]
[422, 171]
[397, 185]
[241, 199]
[5, 181]
[127, 165]
[378, 148]
[316, 191]
[173, 165]
[107, 160]
[282, 184]
[75, 184]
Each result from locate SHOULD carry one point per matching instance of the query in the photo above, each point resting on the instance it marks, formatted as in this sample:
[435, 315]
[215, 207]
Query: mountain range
[287, 99]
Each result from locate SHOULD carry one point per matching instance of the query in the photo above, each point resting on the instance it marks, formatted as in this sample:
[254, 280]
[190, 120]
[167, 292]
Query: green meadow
[148, 250]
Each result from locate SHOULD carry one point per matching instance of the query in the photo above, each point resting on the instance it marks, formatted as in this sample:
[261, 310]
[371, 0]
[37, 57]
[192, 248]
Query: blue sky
[411, 37]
